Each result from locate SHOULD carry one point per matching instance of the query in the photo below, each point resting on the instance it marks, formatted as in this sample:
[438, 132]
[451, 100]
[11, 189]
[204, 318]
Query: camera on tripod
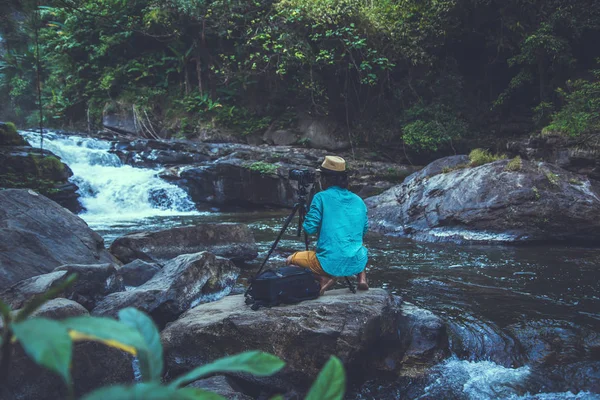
[302, 176]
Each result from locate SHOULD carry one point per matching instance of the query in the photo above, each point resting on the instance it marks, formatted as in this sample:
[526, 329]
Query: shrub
[480, 157]
[263, 168]
[514, 165]
[552, 178]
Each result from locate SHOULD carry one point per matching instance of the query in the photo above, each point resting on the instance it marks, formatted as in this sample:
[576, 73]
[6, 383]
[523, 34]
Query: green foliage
[52, 349]
[574, 181]
[479, 157]
[581, 112]
[331, 382]
[514, 165]
[137, 334]
[536, 193]
[263, 168]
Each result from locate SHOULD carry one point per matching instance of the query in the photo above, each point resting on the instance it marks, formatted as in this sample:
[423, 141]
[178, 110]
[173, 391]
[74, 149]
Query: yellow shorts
[308, 260]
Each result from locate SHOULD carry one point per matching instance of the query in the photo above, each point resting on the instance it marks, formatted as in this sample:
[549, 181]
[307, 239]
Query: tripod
[300, 208]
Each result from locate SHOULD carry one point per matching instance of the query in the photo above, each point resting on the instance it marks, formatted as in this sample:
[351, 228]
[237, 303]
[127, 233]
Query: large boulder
[370, 332]
[182, 283]
[233, 241]
[497, 202]
[93, 283]
[94, 365]
[9, 135]
[37, 235]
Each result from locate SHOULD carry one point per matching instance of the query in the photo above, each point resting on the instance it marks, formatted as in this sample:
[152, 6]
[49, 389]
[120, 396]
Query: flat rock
[233, 241]
[371, 332]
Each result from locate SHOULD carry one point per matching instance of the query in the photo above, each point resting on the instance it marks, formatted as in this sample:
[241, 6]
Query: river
[502, 304]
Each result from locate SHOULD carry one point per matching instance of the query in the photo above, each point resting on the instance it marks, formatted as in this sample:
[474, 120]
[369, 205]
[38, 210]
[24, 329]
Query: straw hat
[333, 164]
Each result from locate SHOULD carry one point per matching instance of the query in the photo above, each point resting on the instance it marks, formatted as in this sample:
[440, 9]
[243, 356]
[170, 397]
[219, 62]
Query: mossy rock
[9, 135]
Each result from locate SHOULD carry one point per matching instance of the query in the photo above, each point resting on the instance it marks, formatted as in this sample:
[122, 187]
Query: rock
[235, 182]
[27, 167]
[182, 283]
[93, 283]
[220, 386]
[564, 151]
[233, 241]
[322, 134]
[538, 202]
[9, 135]
[18, 294]
[94, 365]
[60, 308]
[122, 121]
[138, 272]
[37, 235]
[280, 137]
[369, 331]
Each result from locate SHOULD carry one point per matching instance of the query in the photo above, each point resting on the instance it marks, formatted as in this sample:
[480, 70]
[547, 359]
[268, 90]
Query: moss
[480, 157]
[49, 167]
[445, 170]
[28, 181]
[263, 168]
[574, 181]
[514, 165]
[552, 178]
[9, 135]
[536, 193]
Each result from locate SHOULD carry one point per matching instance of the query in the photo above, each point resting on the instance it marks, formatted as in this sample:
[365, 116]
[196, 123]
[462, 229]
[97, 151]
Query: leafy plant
[553, 178]
[263, 168]
[135, 333]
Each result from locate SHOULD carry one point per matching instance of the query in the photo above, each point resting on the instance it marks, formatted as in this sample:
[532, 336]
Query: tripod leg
[350, 285]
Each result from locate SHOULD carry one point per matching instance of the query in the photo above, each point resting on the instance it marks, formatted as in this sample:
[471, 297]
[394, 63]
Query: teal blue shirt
[340, 217]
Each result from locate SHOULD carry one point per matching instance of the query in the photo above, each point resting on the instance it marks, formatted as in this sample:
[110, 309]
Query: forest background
[430, 76]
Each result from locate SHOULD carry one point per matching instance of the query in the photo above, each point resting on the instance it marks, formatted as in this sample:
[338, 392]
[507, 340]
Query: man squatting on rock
[340, 218]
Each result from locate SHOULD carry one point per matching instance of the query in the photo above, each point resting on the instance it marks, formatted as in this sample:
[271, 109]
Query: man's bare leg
[362, 281]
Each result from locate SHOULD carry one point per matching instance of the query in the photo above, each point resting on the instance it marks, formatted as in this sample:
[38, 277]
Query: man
[340, 218]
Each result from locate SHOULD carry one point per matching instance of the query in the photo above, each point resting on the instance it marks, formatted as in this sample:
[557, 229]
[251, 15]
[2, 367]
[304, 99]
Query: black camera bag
[285, 285]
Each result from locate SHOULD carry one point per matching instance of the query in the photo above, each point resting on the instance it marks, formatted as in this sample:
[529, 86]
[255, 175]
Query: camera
[303, 176]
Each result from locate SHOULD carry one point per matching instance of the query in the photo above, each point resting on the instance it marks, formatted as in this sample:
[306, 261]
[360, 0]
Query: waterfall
[109, 190]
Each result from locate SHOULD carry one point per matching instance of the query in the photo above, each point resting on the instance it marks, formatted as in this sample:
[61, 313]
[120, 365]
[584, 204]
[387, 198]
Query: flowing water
[506, 307]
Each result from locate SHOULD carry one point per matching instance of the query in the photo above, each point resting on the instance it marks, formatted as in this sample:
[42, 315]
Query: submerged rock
[448, 201]
[94, 365]
[233, 241]
[182, 283]
[38, 235]
[371, 332]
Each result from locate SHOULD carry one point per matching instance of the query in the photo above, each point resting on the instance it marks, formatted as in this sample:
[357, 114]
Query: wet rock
[221, 386]
[182, 283]
[122, 121]
[93, 283]
[538, 202]
[38, 235]
[94, 365]
[233, 241]
[369, 331]
[138, 272]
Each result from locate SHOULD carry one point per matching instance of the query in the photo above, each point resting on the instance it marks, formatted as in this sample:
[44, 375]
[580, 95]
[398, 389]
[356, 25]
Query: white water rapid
[110, 191]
